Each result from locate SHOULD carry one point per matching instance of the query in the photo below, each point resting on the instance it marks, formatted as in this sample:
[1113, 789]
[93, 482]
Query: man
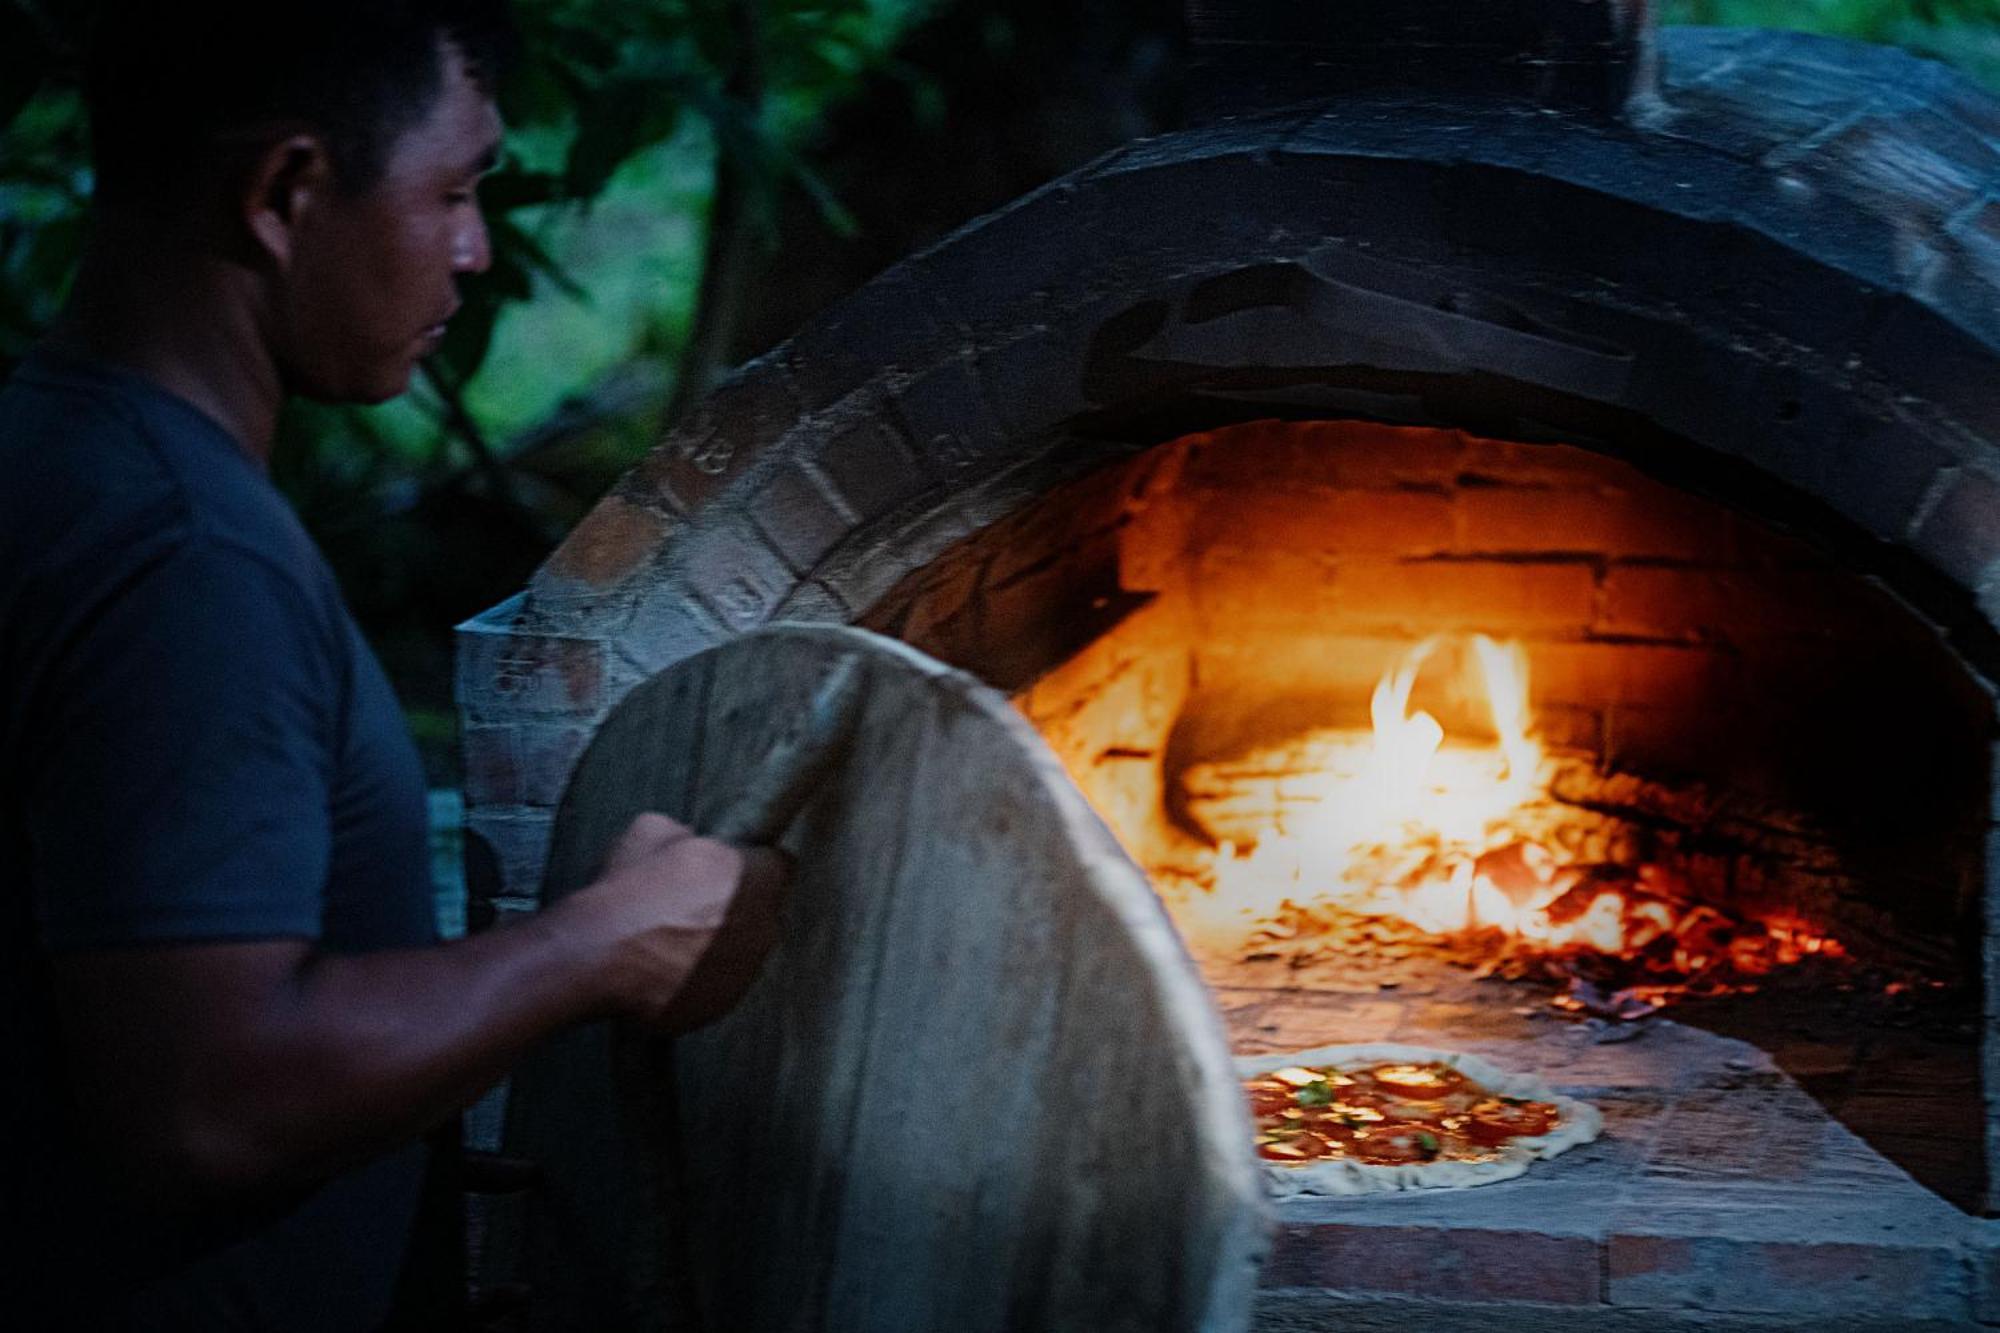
[227, 1016]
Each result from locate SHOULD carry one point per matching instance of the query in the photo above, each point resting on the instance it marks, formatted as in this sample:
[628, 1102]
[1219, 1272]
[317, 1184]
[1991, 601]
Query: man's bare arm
[220, 1072]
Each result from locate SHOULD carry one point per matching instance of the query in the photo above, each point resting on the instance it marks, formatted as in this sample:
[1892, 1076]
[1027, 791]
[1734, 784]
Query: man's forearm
[365, 1050]
[223, 1070]
[302, 1062]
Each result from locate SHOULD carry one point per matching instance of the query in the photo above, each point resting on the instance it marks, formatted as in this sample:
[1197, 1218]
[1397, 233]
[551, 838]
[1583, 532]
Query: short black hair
[167, 80]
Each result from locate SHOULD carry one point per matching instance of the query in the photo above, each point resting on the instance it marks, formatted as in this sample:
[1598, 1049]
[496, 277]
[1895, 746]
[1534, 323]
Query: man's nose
[472, 248]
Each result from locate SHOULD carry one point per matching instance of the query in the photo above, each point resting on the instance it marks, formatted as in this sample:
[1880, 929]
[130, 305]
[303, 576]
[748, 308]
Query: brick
[1308, 658]
[492, 765]
[1331, 522]
[1017, 632]
[666, 626]
[1001, 272]
[1172, 215]
[927, 598]
[1032, 382]
[815, 602]
[871, 468]
[947, 418]
[1796, 1279]
[1250, 597]
[515, 842]
[523, 764]
[883, 326]
[502, 676]
[1075, 513]
[1594, 674]
[1914, 161]
[1960, 535]
[734, 573]
[1912, 347]
[1699, 604]
[1423, 596]
[1360, 454]
[548, 754]
[1636, 520]
[800, 515]
[1511, 463]
[1485, 1265]
[1878, 473]
[699, 458]
[614, 541]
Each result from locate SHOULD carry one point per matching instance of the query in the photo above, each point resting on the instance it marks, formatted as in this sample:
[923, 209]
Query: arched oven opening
[1420, 732]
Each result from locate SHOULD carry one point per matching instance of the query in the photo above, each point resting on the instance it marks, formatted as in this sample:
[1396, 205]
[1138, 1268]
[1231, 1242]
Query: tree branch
[730, 248]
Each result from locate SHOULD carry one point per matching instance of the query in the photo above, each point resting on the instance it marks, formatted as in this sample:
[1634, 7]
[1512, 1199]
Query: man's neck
[182, 318]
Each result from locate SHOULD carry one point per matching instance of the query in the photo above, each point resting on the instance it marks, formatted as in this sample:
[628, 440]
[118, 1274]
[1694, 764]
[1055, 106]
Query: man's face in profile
[373, 277]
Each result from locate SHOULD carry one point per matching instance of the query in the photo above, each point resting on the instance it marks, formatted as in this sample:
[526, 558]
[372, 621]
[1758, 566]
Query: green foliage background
[1965, 33]
[629, 120]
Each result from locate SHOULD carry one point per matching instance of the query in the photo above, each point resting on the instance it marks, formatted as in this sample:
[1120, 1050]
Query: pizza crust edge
[1581, 1123]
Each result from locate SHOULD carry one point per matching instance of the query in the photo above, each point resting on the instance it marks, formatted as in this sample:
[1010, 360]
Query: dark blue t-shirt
[195, 745]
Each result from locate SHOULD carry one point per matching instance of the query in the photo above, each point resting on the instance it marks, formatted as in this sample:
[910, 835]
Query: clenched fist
[685, 921]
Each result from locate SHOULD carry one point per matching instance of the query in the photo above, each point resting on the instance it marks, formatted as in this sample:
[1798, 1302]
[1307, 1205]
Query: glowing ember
[1454, 839]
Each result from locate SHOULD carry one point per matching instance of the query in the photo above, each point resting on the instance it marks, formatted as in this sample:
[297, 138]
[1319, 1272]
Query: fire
[1455, 838]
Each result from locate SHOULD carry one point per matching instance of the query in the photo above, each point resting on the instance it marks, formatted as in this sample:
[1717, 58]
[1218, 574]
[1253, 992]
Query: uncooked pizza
[1363, 1119]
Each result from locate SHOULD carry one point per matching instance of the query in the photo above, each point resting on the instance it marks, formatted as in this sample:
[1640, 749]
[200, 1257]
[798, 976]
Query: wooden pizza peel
[979, 1085]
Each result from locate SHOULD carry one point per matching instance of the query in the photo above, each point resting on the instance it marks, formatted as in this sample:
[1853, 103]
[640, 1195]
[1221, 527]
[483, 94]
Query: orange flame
[1460, 806]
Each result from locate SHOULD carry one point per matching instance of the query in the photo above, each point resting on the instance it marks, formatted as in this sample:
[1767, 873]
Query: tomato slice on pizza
[1359, 1119]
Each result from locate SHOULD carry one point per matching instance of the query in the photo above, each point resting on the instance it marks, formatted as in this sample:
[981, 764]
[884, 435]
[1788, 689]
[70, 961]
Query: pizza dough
[1580, 1122]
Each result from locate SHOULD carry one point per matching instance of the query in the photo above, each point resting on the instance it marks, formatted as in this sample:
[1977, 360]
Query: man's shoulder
[95, 466]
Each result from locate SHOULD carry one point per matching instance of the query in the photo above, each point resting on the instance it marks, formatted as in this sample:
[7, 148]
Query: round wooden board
[979, 1086]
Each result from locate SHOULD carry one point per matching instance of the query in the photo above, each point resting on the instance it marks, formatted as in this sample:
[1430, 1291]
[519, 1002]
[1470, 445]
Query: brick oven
[1660, 364]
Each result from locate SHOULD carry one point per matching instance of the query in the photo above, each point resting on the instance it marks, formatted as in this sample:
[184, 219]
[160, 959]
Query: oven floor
[1722, 1196]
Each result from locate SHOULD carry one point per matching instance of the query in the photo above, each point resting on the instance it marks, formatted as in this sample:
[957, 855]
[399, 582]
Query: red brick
[1425, 596]
[925, 609]
[1516, 464]
[1247, 597]
[1705, 603]
[1596, 674]
[1798, 1279]
[800, 516]
[1342, 665]
[1639, 520]
[613, 541]
[1464, 1265]
[1318, 520]
[1274, 455]
[699, 458]
[492, 767]
[503, 675]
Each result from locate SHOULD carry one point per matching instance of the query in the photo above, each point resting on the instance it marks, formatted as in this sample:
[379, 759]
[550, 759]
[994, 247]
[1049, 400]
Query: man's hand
[684, 921]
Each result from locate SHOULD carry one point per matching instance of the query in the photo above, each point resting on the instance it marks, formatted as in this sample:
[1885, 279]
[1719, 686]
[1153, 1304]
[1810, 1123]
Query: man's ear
[292, 176]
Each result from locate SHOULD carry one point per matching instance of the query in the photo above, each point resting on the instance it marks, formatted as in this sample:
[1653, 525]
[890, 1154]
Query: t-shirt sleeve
[180, 760]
